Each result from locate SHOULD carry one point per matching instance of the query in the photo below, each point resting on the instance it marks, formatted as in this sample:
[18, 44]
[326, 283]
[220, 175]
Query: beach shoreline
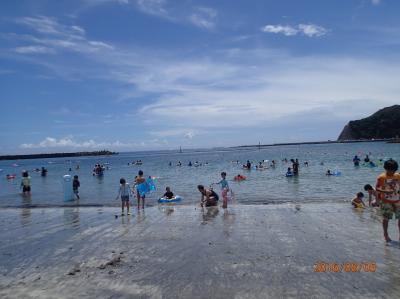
[262, 251]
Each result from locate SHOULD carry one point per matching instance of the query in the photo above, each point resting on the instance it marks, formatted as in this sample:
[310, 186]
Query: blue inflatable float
[146, 187]
[176, 198]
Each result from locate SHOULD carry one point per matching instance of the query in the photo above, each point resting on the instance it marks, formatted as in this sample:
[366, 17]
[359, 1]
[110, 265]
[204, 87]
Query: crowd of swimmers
[190, 164]
[385, 195]
[367, 161]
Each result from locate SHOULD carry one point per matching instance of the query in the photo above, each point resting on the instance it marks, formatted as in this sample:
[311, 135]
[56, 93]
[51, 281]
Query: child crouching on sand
[388, 188]
[357, 202]
[124, 191]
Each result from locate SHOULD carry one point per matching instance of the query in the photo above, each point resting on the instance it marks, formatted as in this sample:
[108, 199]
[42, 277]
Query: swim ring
[146, 187]
[175, 198]
[239, 178]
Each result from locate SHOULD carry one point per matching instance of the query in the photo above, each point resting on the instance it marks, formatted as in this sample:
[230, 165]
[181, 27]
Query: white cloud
[175, 132]
[309, 30]
[69, 142]
[204, 17]
[312, 30]
[34, 50]
[78, 29]
[286, 30]
[153, 7]
[41, 24]
[53, 35]
[189, 135]
[376, 2]
[234, 88]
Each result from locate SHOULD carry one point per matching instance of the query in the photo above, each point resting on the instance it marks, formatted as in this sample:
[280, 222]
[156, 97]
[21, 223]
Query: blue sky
[158, 74]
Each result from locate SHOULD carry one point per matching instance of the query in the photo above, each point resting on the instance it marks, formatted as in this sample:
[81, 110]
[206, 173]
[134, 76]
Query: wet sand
[247, 251]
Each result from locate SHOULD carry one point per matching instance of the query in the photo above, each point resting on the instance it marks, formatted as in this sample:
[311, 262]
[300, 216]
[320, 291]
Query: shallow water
[262, 187]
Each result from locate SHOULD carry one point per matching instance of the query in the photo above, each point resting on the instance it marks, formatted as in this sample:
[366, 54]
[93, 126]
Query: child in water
[26, 183]
[140, 180]
[289, 172]
[168, 193]
[357, 202]
[372, 193]
[224, 190]
[75, 186]
[388, 189]
[124, 191]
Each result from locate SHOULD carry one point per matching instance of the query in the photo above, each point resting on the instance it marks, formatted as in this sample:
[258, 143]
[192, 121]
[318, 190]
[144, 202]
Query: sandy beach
[248, 251]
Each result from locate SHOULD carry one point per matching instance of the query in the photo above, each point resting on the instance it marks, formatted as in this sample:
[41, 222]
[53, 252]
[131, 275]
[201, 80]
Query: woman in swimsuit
[208, 197]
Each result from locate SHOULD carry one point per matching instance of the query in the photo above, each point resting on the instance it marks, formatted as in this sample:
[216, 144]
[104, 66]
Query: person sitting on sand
[124, 191]
[372, 193]
[388, 189]
[168, 194]
[208, 197]
[357, 202]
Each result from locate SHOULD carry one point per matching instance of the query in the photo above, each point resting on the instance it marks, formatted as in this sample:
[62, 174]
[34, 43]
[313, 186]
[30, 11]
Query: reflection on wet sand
[209, 214]
[166, 209]
[229, 220]
[71, 217]
[244, 251]
[26, 210]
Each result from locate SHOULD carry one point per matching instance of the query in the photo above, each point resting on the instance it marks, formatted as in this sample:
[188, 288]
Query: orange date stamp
[352, 267]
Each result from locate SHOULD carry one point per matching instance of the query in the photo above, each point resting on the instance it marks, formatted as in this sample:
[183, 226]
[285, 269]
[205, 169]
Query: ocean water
[261, 187]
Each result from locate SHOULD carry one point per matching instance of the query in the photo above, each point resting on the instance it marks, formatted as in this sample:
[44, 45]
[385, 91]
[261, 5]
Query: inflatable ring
[175, 198]
[239, 178]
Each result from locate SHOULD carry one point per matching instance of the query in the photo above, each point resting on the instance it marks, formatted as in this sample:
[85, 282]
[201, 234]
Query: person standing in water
[388, 189]
[140, 196]
[43, 171]
[75, 186]
[26, 183]
[224, 190]
[372, 193]
[295, 165]
[124, 191]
